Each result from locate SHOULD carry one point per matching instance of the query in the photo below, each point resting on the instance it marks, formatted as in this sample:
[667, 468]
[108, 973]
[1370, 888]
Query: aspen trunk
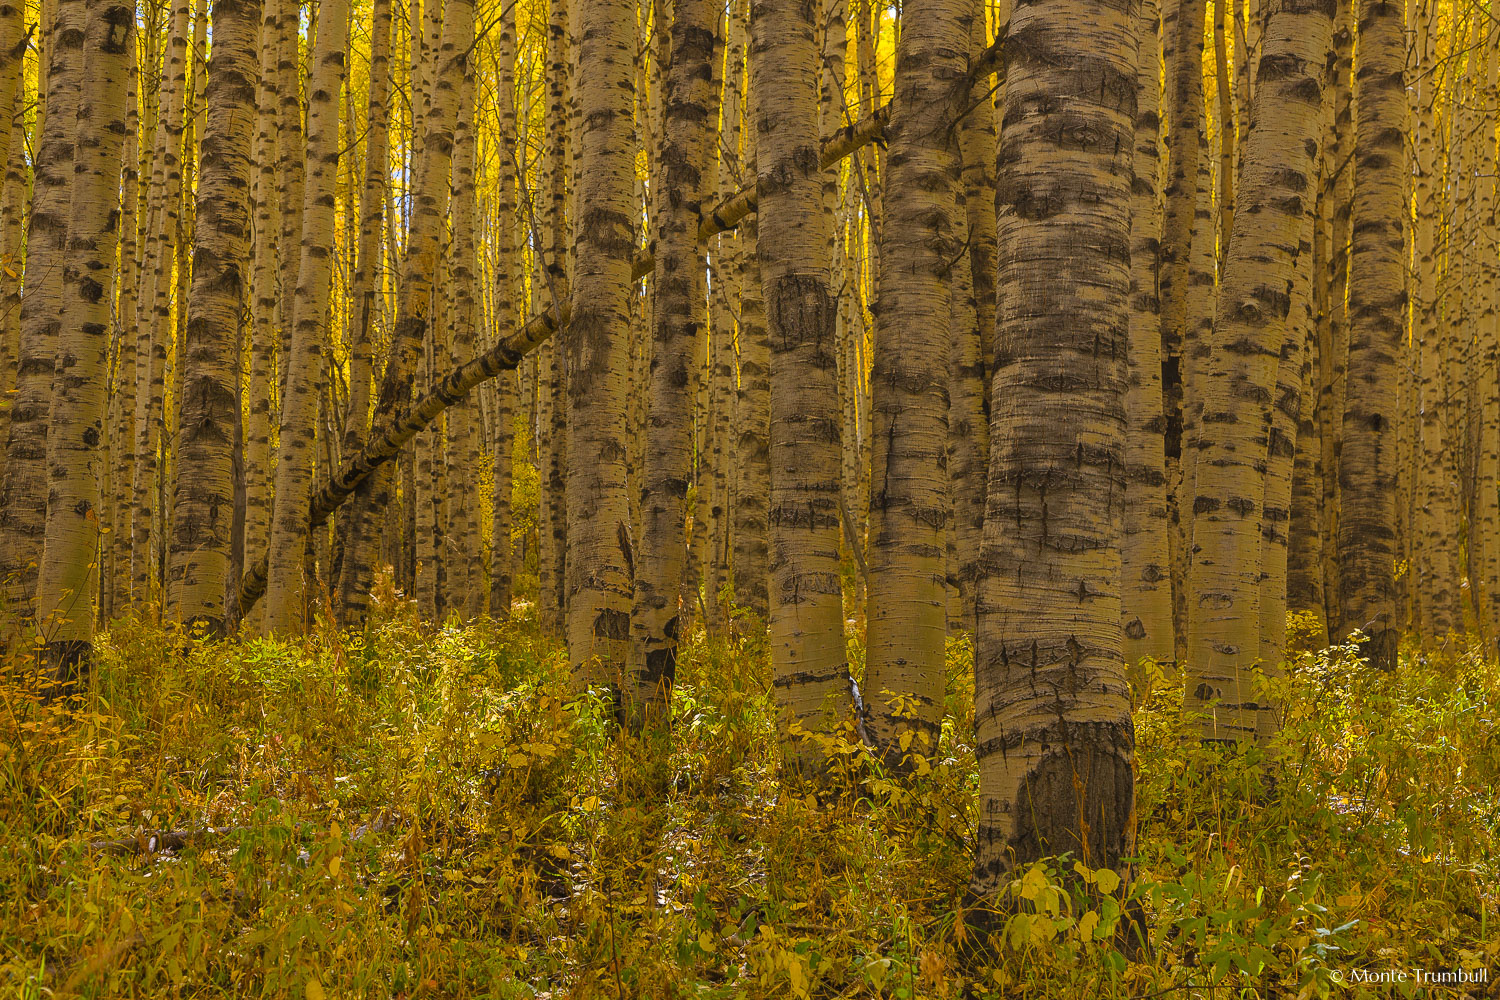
[199, 584]
[1052, 707]
[13, 42]
[1146, 596]
[807, 627]
[286, 590]
[418, 272]
[1241, 444]
[75, 424]
[506, 309]
[367, 295]
[678, 339]
[24, 491]
[909, 381]
[153, 329]
[752, 413]
[1367, 461]
[463, 555]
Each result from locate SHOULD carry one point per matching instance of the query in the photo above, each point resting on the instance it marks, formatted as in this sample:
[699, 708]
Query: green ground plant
[419, 812]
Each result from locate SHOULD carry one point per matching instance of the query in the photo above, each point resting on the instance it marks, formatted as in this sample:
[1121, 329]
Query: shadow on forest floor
[418, 812]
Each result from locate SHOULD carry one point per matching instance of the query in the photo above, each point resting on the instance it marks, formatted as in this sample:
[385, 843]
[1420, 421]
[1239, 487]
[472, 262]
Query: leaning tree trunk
[1367, 459]
[807, 621]
[75, 423]
[600, 550]
[286, 587]
[1052, 707]
[199, 583]
[909, 381]
[24, 490]
[678, 336]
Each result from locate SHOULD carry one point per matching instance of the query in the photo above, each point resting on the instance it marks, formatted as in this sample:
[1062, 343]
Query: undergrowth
[422, 812]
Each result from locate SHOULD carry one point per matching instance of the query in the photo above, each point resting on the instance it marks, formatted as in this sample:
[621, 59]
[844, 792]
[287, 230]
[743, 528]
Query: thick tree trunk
[97, 44]
[199, 584]
[909, 381]
[24, 490]
[1052, 706]
[1367, 461]
[678, 339]
[807, 623]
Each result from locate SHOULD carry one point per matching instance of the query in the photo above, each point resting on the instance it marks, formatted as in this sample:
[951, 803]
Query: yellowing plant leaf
[1032, 882]
[705, 941]
[1086, 925]
[333, 864]
[1107, 879]
[518, 760]
[314, 989]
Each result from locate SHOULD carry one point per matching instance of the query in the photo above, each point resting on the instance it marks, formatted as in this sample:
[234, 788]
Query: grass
[423, 812]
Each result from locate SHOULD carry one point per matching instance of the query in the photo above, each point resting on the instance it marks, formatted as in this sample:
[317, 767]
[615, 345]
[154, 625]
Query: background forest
[593, 498]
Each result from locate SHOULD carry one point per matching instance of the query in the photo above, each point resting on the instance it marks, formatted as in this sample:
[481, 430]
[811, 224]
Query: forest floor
[420, 813]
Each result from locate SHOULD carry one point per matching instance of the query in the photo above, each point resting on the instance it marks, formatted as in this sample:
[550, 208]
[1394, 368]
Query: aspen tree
[465, 571]
[418, 271]
[1052, 707]
[1146, 596]
[285, 590]
[506, 309]
[968, 418]
[678, 337]
[23, 493]
[198, 579]
[1239, 437]
[1226, 128]
[114, 580]
[1488, 321]
[909, 379]
[367, 288]
[1333, 330]
[98, 47]
[752, 410]
[153, 315]
[807, 625]
[263, 300]
[1183, 27]
[1367, 459]
[1437, 554]
[972, 318]
[599, 547]
[13, 43]
[291, 176]
[552, 464]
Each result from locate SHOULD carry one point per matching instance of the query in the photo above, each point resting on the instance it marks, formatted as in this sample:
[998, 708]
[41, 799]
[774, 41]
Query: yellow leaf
[590, 804]
[1032, 882]
[1087, 923]
[906, 740]
[705, 941]
[314, 990]
[1108, 880]
[518, 760]
[333, 864]
[798, 975]
[1083, 871]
